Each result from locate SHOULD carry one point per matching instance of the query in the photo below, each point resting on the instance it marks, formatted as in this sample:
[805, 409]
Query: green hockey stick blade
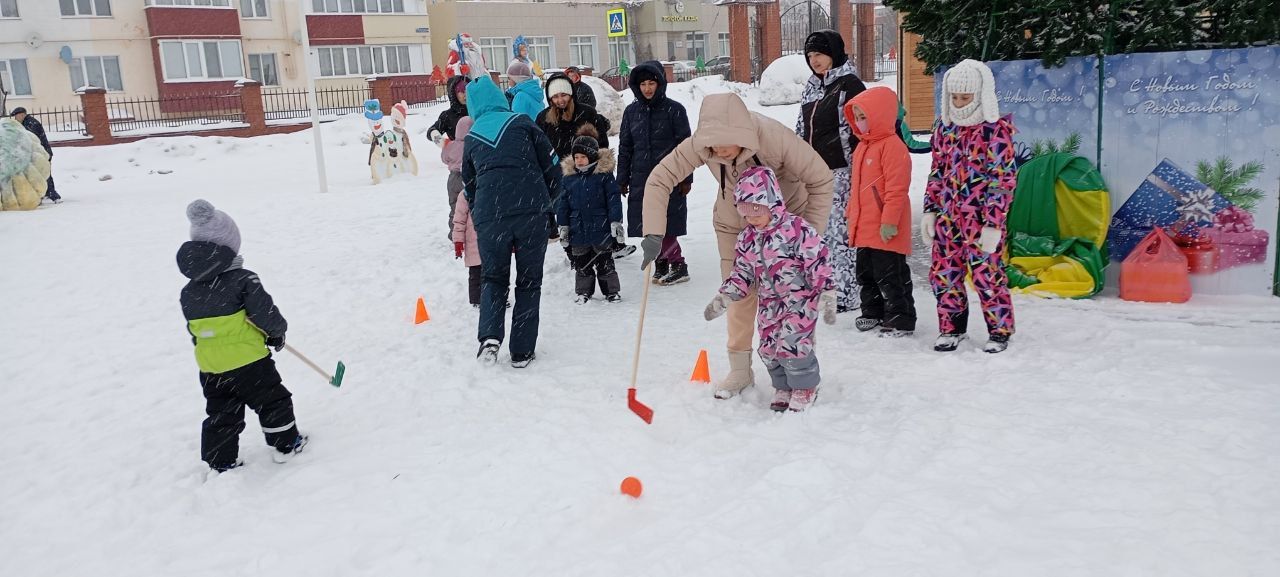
[337, 375]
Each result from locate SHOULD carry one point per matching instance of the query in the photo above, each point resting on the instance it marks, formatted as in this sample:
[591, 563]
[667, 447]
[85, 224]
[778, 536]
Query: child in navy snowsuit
[590, 216]
[232, 321]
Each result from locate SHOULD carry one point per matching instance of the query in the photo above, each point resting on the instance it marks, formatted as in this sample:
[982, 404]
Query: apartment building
[575, 33]
[165, 48]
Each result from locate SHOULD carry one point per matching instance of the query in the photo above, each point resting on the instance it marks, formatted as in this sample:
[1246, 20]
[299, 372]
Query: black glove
[624, 189]
[276, 343]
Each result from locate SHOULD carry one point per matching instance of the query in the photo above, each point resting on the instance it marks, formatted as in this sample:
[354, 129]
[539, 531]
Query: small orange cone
[421, 316]
[701, 372]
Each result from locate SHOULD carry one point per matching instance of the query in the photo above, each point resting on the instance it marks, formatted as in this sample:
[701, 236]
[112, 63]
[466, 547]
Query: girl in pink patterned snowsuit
[966, 203]
[786, 261]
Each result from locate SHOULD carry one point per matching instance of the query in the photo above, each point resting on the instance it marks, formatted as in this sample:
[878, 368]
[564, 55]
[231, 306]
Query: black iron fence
[197, 111]
[282, 104]
[68, 120]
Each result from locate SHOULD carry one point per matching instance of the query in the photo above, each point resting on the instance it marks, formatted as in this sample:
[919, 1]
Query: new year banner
[1191, 143]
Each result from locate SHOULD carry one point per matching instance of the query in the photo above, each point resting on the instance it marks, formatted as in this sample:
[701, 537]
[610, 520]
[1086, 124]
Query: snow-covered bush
[783, 81]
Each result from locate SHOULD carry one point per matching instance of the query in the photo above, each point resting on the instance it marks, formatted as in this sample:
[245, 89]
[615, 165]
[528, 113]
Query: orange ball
[631, 486]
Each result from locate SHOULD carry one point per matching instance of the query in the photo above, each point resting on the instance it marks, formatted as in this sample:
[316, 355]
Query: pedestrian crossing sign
[617, 22]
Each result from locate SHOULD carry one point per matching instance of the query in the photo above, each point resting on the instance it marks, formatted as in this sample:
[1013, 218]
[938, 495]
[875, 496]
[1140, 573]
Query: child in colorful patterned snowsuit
[786, 261]
[966, 204]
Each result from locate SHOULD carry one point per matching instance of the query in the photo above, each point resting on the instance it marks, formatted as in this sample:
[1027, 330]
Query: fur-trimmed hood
[606, 163]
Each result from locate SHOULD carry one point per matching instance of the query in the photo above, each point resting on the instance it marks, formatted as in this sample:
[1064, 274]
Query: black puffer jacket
[34, 127]
[447, 123]
[651, 129]
[822, 123]
[562, 133]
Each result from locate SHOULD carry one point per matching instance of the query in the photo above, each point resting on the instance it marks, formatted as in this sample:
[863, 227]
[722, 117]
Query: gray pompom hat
[209, 224]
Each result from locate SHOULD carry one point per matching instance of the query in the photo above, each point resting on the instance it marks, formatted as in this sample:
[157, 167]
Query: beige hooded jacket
[724, 120]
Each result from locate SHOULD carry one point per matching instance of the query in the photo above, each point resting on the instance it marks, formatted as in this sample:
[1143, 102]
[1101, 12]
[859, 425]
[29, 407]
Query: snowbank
[608, 102]
[783, 81]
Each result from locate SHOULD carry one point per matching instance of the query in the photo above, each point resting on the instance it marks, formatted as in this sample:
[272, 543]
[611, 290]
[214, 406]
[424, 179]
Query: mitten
[276, 342]
[716, 307]
[618, 231]
[928, 224]
[564, 235]
[684, 188]
[989, 240]
[827, 305]
[457, 250]
[888, 231]
[650, 247]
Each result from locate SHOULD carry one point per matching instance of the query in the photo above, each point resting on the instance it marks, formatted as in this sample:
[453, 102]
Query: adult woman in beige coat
[729, 140]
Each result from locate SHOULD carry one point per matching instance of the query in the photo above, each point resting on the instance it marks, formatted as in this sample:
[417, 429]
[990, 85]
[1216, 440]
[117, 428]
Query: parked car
[718, 65]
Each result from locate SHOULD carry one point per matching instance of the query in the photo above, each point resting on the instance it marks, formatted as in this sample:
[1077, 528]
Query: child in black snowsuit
[590, 215]
[232, 321]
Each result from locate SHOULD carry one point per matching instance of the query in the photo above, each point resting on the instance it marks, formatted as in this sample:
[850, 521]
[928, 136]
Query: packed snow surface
[1112, 439]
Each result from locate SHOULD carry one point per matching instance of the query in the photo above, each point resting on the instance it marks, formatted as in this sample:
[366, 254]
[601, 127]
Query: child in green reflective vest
[232, 321]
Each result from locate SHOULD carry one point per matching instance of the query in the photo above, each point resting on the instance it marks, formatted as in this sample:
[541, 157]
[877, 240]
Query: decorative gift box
[1166, 197]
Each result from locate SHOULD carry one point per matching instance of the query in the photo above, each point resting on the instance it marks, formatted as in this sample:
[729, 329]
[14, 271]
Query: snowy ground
[1112, 439]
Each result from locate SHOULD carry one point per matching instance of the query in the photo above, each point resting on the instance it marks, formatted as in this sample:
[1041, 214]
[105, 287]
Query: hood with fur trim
[606, 163]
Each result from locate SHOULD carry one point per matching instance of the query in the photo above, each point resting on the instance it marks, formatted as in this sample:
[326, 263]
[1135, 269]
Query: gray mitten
[618, 231]
[650, 246]
[716, 307]
[564, 235]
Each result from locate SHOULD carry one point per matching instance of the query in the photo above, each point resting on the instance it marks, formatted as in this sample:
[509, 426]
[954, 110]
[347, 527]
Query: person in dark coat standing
[823, 125]
[582, 93]
[511, 181]
[446, 128]
[33, 126]
[562, 119]
[652, 127]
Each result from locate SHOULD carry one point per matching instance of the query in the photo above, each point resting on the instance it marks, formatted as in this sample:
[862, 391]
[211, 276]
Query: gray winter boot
[740, 375]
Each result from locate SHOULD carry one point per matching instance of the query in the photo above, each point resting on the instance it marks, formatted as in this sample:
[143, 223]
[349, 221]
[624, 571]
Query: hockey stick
[335, 379]
[640, 409]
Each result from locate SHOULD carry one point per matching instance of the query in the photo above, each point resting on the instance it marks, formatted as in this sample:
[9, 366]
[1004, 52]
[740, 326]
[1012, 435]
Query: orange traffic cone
[421, 315]
[701, 372]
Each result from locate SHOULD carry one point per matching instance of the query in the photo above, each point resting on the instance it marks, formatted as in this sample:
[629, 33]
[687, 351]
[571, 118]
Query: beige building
[168, 48]
[564, 34]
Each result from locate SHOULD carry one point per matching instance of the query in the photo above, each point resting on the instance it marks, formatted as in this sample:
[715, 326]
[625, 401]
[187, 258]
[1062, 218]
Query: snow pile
[1113, 438]
[608, 102]
[783, 81]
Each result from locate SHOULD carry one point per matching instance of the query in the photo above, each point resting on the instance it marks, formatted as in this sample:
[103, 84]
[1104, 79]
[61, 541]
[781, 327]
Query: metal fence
[282, 104]
[69, 120]
[194, 110]
[417, 93]
[886, 67]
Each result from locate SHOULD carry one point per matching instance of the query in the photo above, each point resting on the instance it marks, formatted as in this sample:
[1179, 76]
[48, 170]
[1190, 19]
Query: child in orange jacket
[879, 214]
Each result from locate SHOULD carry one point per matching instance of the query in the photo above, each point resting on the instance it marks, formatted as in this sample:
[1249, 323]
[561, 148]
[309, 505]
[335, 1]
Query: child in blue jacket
[590, 217]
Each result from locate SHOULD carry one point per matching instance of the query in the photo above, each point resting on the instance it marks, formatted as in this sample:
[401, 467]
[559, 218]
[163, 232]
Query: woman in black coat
[652, 126]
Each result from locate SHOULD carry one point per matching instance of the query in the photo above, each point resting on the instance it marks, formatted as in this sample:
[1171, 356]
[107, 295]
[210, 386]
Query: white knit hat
[209, 224]
[970, 77]
[559, 86]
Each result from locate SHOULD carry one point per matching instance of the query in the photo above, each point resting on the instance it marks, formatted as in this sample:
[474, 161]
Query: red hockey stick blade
[640, 409]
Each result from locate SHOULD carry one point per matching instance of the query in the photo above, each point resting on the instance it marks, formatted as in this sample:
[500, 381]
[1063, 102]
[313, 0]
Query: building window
[8, 9]
[14, 77]
[724, 44]
[262, 67]
[582, 51]
[496, 52]
[253, 9]
[201, 59]
[541, 50]
[696, 46]
[620, 49]
[200, 3]
[358, 6]
[365, 60]
[85, 7]
[96, 71]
